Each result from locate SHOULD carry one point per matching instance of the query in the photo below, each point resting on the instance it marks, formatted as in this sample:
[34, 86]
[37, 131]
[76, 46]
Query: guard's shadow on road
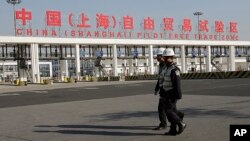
[124, 115]
[189, 113]
[133, 130]
[99, 127]
[85, 130]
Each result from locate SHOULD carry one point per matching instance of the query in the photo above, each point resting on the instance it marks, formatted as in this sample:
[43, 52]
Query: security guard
[171, 91]
[161, 107]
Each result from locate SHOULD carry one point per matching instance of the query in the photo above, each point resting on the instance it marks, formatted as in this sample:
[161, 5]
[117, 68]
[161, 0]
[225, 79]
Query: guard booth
[220, 58]
[103, 60]
[132, 60]
[96, 60]
[248, 61]
[62, 58]
[248, 58]
[141, 53]
[14, 60]
[195, 58]
[177, 51]
[242, 58]
[124, 60]
[139, 60]
[86, 60]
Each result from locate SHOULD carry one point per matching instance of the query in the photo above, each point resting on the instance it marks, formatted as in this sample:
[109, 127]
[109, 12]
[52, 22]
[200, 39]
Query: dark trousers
[171, 111]
[162, 112]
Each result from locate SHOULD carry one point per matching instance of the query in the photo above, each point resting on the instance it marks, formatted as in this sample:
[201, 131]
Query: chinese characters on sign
[187, 25]
[168, 24]
[53, 18]
[128, 22]
[24, 16]
[107, 27]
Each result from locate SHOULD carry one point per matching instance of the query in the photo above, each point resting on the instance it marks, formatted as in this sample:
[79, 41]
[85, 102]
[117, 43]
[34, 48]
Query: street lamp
[198, 14]
[14, 2]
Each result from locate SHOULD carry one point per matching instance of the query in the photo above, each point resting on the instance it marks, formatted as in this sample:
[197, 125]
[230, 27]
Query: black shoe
[182, 116]
[181, 126]
[171, 133]
[160, 127]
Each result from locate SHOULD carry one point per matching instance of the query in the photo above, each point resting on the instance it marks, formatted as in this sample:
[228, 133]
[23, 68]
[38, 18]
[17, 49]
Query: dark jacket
[174, 93]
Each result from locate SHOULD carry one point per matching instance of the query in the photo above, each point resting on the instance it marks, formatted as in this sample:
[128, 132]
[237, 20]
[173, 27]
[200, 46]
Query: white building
[76, 56]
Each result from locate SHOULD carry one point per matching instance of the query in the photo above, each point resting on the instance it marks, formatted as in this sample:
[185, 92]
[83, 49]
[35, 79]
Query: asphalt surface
[213, 87]
[120, 111]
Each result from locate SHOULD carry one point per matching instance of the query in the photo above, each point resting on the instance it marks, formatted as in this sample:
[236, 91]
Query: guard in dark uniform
[171, 91]
[161, 107]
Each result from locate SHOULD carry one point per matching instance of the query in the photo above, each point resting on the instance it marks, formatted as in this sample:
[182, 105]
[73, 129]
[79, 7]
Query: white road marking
[135, 85]
[9, 94]
[40, 92]
[93, 88]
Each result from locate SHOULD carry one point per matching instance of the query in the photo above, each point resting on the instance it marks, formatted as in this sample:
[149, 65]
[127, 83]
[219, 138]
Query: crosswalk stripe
[9, 94]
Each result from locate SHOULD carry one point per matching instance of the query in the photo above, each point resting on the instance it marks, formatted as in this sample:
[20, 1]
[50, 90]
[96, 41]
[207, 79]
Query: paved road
[120, 111]
[230, 87]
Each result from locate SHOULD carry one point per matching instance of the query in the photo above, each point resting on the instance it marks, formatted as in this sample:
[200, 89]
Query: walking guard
[170, 90]
[161, 107]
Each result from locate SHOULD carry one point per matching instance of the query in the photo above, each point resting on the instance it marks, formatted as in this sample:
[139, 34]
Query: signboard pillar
[183, 59]
[64, 69]
[115, 60]
[136, 67]
[125, 67]
[232, 58]
[208, 59]
[77, 62]
[98, 62]
[151, 60]
[35, 63]
[130, 62]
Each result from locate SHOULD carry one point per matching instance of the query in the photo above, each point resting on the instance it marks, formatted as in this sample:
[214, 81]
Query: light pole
[14, 2]
[198, 14]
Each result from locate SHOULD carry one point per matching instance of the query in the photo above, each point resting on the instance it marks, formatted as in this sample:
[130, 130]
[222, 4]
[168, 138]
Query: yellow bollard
[87, 78]
[66, 79]
[22, 83]
[71, 80]
[94, 79]
[41, 80]
[16, 82]
[48, 82]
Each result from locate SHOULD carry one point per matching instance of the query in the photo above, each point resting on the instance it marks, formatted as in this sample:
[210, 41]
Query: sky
[224, 10]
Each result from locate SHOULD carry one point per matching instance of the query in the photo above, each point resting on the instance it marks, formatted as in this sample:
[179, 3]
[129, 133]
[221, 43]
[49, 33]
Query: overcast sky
[225, 10]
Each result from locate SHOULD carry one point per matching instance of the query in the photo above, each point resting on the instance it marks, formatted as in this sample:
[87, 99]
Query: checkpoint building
[59, 58]
[115, 48]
